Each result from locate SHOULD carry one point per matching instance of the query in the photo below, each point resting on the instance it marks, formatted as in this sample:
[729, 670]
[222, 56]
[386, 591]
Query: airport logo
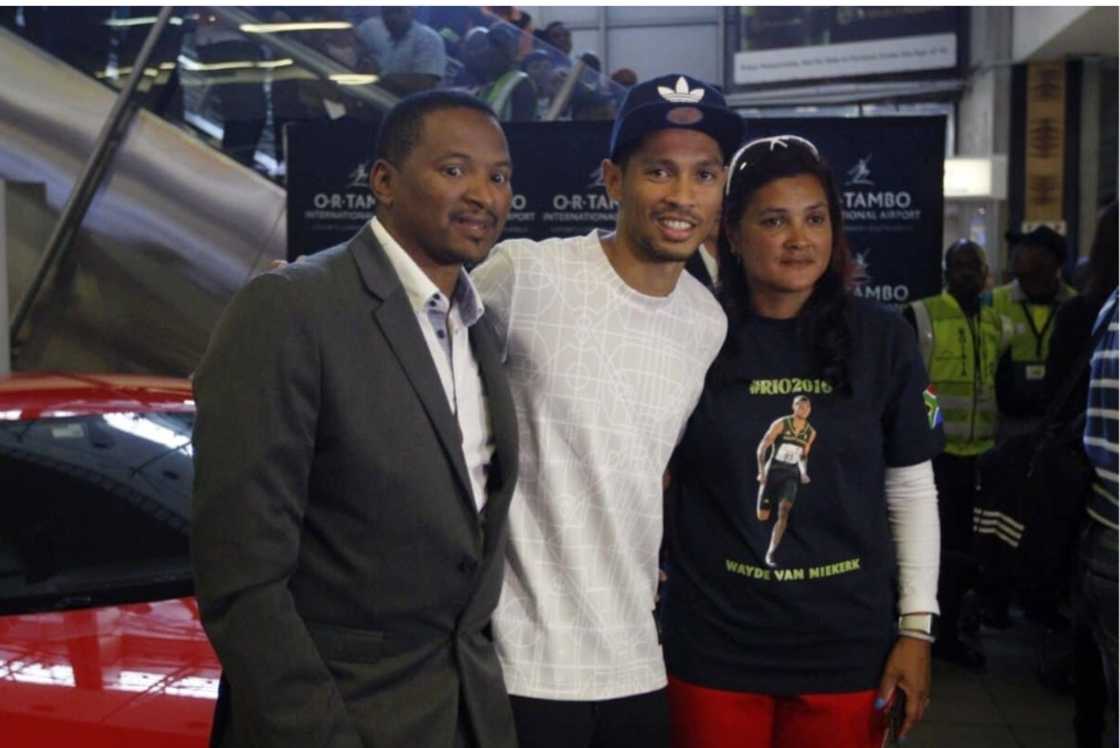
[353, 202]
[596, 179]
[359, 177]
[860, 173]
[862, 283]
[874, 206]
[861, 271]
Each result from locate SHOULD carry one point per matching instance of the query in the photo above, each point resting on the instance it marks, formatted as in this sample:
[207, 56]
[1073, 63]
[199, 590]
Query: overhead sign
[778, 44]
[842, 60]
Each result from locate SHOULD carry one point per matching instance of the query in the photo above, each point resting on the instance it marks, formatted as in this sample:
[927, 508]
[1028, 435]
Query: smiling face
[670, 191]
[784, 237]
[447, 203]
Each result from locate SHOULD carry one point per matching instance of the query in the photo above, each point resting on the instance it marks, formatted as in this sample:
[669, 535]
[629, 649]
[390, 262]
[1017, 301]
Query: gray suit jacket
[343, 573]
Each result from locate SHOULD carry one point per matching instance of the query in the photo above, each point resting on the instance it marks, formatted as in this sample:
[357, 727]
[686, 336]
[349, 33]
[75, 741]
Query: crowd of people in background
[493, 52]
[1025, 520]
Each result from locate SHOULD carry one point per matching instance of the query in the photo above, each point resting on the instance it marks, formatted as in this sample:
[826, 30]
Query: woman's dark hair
[823, 321]
[1103, 258]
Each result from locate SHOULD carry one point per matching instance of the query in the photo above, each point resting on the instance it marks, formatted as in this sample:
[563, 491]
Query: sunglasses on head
[742, 160]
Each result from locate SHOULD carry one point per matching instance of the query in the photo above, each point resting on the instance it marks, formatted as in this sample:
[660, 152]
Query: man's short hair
[799, 398]
[400, 130]
[962, 245]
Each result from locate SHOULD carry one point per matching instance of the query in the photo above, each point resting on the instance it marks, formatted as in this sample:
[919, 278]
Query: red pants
[711, 718]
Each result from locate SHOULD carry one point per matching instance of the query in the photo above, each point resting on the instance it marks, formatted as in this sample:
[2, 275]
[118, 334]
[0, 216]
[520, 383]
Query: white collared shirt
[446, 324]
[711, 264]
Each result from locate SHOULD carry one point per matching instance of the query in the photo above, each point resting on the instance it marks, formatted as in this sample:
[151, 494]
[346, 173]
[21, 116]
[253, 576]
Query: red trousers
[711, 718]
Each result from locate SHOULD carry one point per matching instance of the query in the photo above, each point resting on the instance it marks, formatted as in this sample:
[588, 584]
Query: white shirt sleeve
[916, 531]
[494, 281]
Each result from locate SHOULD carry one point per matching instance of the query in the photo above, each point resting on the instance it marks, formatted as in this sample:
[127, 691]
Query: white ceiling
[1052, 33]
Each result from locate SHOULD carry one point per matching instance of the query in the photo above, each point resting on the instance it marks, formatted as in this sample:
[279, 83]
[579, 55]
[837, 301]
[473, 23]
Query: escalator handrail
[89, 180]
[308, 58]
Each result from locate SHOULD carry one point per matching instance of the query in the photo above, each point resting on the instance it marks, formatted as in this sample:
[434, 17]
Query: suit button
[467, 565]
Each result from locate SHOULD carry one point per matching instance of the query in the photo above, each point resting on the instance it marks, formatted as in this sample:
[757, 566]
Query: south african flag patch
[933, 408]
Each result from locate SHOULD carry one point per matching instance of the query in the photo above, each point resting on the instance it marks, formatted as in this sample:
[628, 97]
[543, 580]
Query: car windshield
[95, 510]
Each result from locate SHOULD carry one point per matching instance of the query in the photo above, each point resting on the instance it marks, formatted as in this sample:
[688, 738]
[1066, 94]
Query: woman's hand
[908, 668]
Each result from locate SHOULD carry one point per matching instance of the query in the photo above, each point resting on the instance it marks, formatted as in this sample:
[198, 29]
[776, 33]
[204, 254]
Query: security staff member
[961, 338]
[1030, 302]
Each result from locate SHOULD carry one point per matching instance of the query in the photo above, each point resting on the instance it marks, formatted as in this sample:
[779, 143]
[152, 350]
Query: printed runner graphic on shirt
[783, 456]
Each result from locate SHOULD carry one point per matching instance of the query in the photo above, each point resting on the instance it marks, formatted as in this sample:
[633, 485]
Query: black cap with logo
[1040, 236]
[675, 101]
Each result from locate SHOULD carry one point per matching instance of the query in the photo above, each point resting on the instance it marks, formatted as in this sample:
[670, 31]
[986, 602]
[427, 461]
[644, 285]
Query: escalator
[175, 228]
[190, 205]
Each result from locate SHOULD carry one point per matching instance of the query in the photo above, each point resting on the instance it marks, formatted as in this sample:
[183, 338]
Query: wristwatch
[918, 626]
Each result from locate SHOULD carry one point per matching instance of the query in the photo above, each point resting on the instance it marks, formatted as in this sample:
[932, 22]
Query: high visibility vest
[1022, 387]
[961, 354]
[499, 94]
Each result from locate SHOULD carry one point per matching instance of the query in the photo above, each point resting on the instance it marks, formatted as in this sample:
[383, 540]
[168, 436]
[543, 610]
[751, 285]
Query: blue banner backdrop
[888, 171]
[328, 182]
[557, 179]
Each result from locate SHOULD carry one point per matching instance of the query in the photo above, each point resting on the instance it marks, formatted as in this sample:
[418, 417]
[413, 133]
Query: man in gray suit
[356, 452]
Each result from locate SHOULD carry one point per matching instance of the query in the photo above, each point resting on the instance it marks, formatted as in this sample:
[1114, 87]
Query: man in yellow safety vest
[1030, 302]
[961, 338]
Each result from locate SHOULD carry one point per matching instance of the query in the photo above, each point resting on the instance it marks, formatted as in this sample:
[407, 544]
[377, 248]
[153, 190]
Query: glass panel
[237, 76]
[96, 509]
[523, 76]
[571, 15]
[242, 91]
[701, 45]
[667, 15]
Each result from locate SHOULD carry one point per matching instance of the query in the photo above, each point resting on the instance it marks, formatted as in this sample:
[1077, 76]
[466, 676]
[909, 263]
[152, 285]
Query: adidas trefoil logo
[681, 94]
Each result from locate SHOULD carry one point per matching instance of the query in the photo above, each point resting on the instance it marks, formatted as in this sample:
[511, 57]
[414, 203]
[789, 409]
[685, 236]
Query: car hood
[126, 675]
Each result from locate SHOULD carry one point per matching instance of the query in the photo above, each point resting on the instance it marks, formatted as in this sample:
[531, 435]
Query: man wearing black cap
[606, 345]
[1029, 306]
[1030, 303]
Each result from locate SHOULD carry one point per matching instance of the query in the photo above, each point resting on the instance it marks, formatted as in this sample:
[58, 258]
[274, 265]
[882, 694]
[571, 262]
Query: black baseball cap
[675, 101]
[1041, 236]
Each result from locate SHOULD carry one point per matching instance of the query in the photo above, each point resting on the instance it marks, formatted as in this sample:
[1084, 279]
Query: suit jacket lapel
[397, 321]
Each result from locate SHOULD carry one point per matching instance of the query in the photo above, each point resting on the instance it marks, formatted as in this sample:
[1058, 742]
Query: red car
[100, 639]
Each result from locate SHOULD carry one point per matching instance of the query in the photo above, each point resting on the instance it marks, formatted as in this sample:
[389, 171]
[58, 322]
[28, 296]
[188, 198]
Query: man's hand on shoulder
[277, 264]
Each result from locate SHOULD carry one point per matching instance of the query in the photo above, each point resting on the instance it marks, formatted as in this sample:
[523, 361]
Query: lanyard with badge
[1037, 371]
